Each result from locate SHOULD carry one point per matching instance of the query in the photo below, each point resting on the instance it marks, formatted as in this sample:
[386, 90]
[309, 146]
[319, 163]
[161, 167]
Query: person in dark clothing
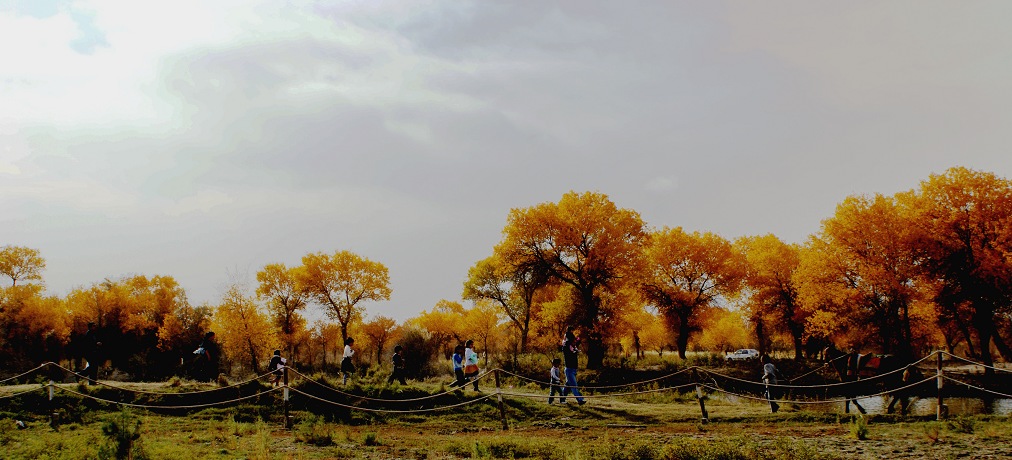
[206, 364]
[276, 367]
[570, 348]
[400, 369]
[458, 366]
[90, 353]
[770, 375]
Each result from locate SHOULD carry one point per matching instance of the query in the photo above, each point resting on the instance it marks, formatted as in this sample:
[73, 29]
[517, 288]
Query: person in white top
[471, 363]
[347, 368]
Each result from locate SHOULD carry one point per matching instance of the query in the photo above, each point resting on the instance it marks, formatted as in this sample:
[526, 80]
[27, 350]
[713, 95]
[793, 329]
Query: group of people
[569, 347]
[400, 370]
[465, 365]
[466, 369]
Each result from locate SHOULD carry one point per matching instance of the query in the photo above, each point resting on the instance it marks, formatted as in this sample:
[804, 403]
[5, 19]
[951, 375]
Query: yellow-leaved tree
[771, 297]
[584, 241]
[511, 287]
[341, 282]
[858, 277]
[243, 329]
[483, 324]
[379, 332]
[279, 287]
[723, 330]
[687, 274]
[966, 216]
[21, 263]
[444, 324]
[34, 327]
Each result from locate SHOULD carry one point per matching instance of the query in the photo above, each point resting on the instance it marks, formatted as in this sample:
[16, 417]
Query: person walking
[556, 382]
[276, 367]
[770, 373]
[570, 349]
[471, 363]
[400, 369]
[347, 367]
[91, 346]
[458, 366]
[206, 363]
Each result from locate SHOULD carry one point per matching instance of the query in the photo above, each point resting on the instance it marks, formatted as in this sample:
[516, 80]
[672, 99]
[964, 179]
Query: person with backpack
[400, 367]
[206, 362]
[276, 367]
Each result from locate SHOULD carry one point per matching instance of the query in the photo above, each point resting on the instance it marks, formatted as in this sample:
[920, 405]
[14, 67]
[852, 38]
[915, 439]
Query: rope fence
[700, 380]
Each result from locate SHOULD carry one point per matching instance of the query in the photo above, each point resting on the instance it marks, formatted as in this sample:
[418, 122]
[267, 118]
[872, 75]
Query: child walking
[458, 366]
[556, 385]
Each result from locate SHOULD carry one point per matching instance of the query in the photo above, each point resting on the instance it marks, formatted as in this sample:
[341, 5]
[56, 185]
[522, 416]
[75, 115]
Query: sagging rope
[156, 406]
[40, 366]
[600, 387]
[162, 393]
[607, 395]
[393, 411]
[968, 361]
[367, 398]
[821, 401]
[14, 395]
[825, 385]
[976, 387]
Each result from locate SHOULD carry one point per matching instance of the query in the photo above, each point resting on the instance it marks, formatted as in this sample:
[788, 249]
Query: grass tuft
[961, 424]
[313, 430]
[859, 428]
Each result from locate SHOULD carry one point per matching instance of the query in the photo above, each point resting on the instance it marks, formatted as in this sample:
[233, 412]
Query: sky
[204, 140]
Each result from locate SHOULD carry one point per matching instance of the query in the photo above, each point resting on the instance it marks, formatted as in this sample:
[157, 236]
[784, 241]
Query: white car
[745, 354]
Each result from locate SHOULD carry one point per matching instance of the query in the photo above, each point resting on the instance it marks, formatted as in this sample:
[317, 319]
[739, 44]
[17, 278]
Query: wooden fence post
[52, 407]
[699, 396]
[288, 419]
[702, 405]
[941, 411]
[502, 409]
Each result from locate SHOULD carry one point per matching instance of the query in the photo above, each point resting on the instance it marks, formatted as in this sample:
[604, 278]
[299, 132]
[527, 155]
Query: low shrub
[123, 433]
[859, 428]
[961, 425]
[314, 430]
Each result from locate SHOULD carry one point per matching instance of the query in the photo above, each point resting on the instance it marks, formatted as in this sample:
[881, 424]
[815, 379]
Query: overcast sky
[203, 140]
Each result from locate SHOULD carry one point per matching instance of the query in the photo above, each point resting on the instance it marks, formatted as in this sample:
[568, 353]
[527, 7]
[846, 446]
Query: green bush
[962, 425]
[313, 430]
[859, 428]
[123, 433]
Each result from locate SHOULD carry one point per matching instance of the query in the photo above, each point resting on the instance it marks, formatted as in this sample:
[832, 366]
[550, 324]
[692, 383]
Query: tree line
[903, 274]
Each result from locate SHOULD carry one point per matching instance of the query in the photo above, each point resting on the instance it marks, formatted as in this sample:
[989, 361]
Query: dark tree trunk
[682, 341]
[985, 330]
[595, 351]
[760, 334]
[1003, 348]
